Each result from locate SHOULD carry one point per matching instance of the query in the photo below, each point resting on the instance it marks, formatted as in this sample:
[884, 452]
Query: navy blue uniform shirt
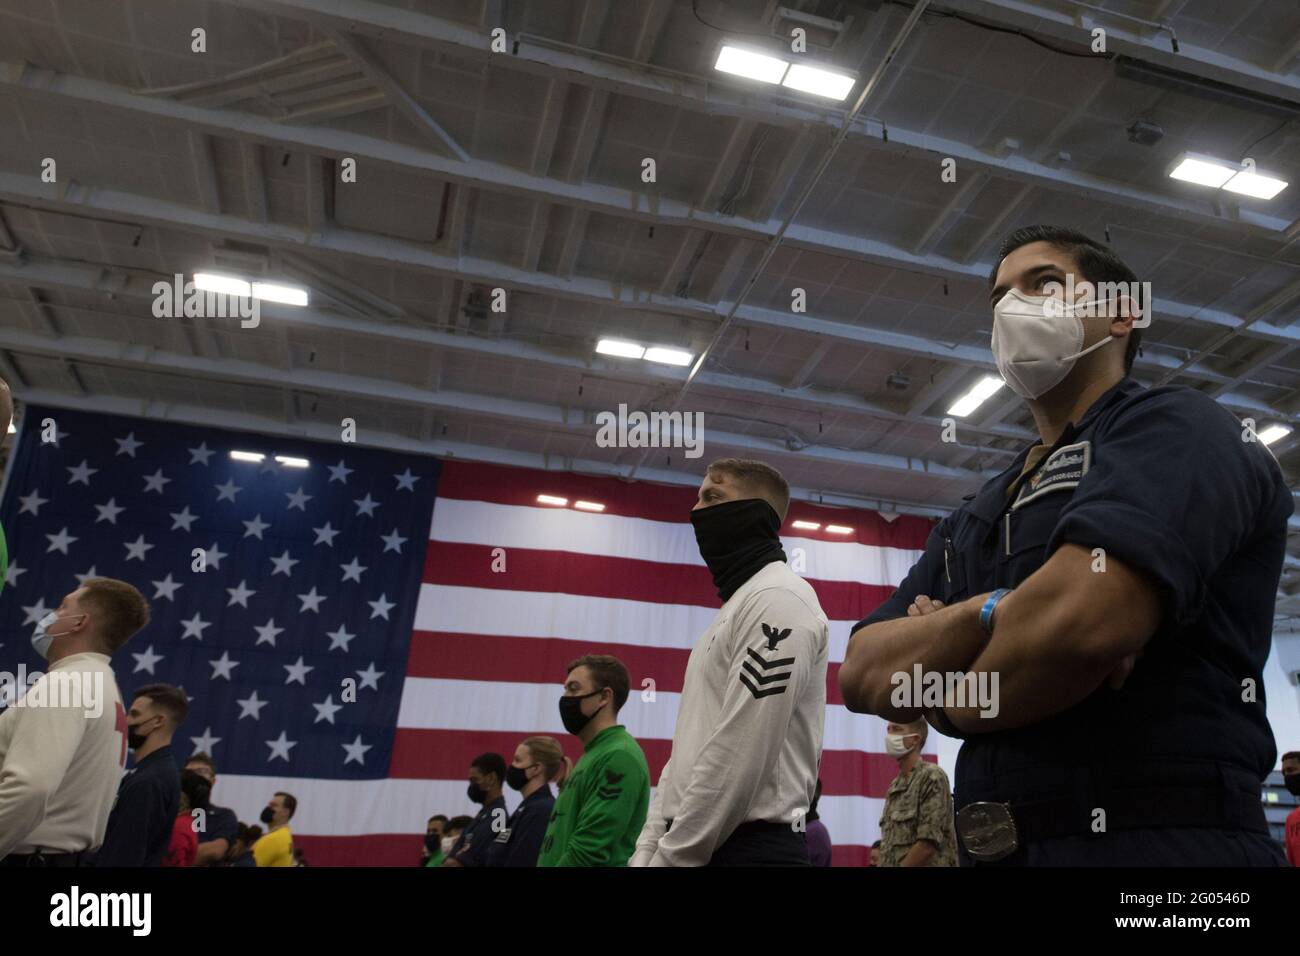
[141, 821]
[1161, 480]
[521, 842]
[471, 847]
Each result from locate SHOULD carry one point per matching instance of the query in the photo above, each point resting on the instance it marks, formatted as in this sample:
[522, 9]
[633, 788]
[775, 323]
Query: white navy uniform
[748, 738]
[59, 768]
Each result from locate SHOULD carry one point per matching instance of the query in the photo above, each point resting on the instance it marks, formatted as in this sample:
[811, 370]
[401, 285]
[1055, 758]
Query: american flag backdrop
[444, 590]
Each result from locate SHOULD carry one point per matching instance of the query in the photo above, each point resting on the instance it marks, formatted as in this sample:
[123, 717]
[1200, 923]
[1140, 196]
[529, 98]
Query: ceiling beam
[716, 97]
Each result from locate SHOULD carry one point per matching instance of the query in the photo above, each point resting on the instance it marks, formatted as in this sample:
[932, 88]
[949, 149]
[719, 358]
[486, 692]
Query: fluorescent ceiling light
[247, 455]
[552, 500]
[287, 294]
[211, 282]
[589, 506]
[810, 79]
[1273, 432]
[1203, 172]
[839, 529]
[751, 65]
[976, 396]
[807, 525]
[667, 356]
[620, 348]
[1249, 183]
[292, 462]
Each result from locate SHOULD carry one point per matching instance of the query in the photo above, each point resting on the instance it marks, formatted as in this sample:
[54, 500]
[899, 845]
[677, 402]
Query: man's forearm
[944, 641]
[921, 853]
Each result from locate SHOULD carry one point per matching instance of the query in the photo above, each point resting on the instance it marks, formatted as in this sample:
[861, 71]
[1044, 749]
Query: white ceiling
[522, 170]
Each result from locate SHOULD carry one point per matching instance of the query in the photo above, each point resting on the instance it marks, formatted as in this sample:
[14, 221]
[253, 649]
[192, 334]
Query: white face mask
[895, 745]
[41, 638]
[447, 844]
[1037, 340]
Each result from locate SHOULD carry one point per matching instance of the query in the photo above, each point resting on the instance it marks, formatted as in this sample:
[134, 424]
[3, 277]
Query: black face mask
[1292, 782]
[517, 777]
[433, 842]
[736, 539]
[571, 714]
[134, 739]
[267, 815]
[476, 793]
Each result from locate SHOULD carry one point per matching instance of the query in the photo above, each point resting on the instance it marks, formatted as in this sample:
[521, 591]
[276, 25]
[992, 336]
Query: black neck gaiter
[736, 539]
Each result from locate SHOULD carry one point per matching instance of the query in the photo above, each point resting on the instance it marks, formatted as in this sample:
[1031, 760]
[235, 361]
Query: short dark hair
[290, 802]
[459, 823]
[1291, 755]
[1096, 263]
[491, 763]
[758, 476]
[438, 816]
[170, 700]
[200, 757]
[608, 672]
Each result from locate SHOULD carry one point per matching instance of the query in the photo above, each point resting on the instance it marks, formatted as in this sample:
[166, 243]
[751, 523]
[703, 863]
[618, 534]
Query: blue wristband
[986, 612]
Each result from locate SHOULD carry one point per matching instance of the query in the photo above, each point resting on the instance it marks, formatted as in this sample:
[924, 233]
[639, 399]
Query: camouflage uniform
[918, 806]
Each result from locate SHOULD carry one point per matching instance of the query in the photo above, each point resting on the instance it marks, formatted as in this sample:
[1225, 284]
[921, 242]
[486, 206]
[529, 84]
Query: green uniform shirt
[601, 810]
[918, 806]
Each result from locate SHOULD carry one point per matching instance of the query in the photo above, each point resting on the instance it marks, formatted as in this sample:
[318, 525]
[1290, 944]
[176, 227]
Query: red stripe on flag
[423, 754]
[506, 485]
[442, 655]
[631, 579]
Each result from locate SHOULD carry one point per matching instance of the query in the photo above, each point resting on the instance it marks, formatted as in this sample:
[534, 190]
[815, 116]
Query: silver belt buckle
[988, 831]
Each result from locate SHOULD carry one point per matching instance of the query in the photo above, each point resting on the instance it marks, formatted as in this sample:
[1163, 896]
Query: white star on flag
[250, 706]
[135, 550]
[194, 627]
[155, 482]
[35, 612]
[340, 638]
[325, 533]
[356, 751]
[213, 556]
[297, 672]
[406, 480]
[392, 542]
[366, 506]
[222, 666]
[203, 452]
[381, 607]
[81, 578]
[326, 710]
[145, 661]
[284, 564]
[239, 595]
[127, 445]
[228, 491]
[340, 472]
[59, 542]
[311, 598]
[266, 632]
[166, 588]
[255, 527]
[109, 511]
[31, 503]
[11, 574]
[369, 677]
[352, 571]
[280, 747]
[205, 743]
[81, 474]
[297, 499]
[183, 519]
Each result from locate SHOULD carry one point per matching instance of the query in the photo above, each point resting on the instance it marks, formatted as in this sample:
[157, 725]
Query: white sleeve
[45, 739]
[775, 641]
[653, 831]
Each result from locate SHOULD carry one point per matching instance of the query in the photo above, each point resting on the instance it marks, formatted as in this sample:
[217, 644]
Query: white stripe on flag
[619, 536]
